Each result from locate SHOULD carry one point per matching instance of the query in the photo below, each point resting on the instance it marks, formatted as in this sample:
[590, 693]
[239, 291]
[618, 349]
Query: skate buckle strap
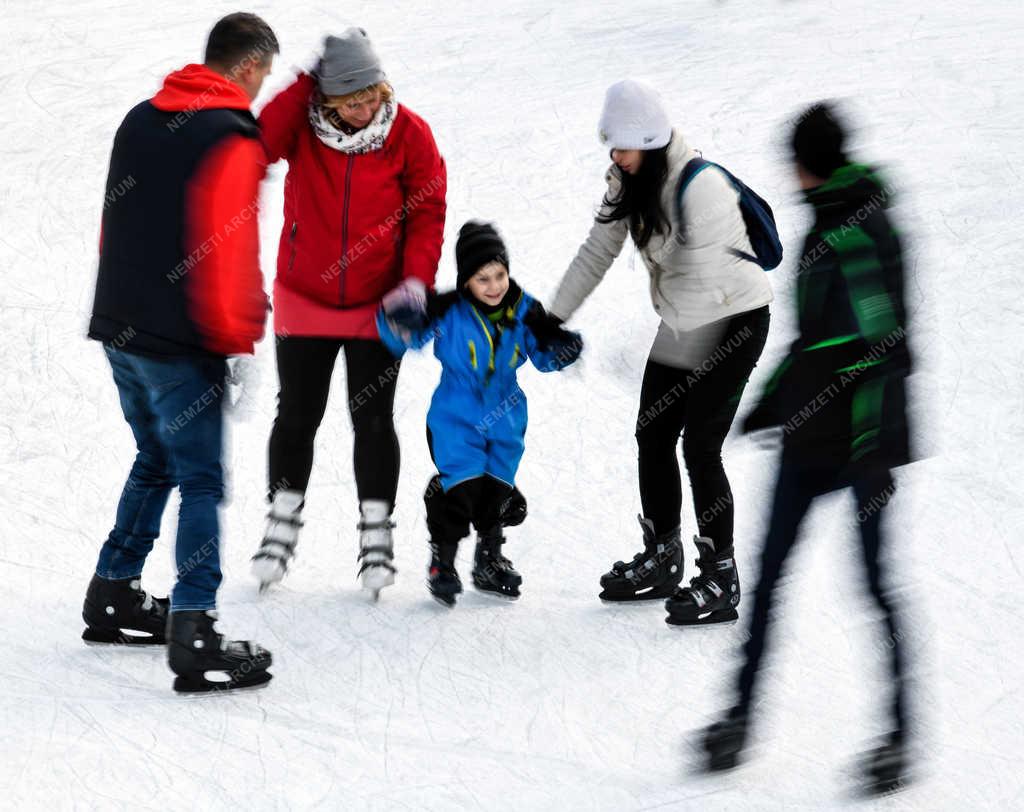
[386, 524]
[285, 518]
[288, 544]
[383, 564]
[376, 548]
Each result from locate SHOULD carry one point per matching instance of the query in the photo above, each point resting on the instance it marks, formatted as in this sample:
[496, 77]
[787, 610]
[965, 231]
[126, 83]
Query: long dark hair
[639, 198]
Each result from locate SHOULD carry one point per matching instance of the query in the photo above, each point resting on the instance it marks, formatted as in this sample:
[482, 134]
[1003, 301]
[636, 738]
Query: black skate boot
[492, 572]
[711, 597]
[442, 579]
[653, 573]
[885, 768]
[114, 606]
[724, 741]
[195, 648]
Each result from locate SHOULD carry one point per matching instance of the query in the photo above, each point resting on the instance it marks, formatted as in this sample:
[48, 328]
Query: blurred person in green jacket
[839, 398]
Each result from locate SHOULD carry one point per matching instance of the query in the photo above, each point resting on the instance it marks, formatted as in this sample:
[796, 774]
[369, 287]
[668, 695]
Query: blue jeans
[173, 406]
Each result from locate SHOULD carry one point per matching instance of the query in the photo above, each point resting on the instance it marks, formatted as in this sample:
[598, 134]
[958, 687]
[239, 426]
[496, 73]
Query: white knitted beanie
[633, 117]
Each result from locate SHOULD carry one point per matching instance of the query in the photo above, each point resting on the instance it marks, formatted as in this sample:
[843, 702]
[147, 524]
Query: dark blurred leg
[794, 493]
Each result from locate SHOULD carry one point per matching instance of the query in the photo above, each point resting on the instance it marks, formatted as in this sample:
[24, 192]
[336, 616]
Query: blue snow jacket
[477, 416]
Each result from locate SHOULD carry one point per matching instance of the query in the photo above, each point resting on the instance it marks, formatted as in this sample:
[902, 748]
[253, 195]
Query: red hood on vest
[196, 87]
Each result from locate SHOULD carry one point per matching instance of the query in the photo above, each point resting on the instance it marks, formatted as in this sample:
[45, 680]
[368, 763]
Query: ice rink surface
[556, 702]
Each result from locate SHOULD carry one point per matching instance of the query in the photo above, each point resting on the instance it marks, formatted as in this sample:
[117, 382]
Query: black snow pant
[304, 368]
[700, 404]
[476, 501]
[794, 492]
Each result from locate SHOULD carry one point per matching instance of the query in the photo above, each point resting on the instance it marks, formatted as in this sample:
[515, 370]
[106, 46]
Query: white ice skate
[376, 551]
[270, 563]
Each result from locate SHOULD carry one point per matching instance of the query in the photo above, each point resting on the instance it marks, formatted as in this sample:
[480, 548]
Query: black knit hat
[478, 244]
[818, 140]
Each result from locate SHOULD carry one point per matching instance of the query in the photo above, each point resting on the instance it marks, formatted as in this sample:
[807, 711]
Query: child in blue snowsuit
[483, 331]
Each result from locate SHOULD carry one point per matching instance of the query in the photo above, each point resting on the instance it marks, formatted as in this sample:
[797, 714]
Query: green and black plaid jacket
[839, 394]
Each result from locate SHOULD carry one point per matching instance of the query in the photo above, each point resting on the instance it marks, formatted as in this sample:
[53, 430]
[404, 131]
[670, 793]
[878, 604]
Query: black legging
[700, 404]
[304, 368]
[794, 493]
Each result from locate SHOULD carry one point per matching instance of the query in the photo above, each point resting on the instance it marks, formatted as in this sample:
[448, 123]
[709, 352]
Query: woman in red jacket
[364, 208]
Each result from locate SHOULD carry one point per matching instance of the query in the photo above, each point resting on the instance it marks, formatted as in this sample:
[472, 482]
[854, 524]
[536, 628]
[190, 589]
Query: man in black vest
[179, 289]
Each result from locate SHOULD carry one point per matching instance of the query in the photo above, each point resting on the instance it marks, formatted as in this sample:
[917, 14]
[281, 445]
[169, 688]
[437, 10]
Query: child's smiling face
[490, 283]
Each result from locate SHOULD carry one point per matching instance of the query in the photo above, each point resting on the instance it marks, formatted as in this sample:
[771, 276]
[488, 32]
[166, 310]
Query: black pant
[304, 368]
[700, 404]
[795, 491]
[476, 501]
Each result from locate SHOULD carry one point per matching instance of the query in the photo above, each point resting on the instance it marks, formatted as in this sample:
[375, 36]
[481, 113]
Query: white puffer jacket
[694, 280]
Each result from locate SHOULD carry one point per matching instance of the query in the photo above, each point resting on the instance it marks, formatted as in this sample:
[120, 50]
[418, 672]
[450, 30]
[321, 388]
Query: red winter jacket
[354, 225]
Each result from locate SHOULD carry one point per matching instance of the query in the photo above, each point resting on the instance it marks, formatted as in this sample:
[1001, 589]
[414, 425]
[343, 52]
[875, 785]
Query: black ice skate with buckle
[653, 573]
[196, 650]
[492, 572]
[712, 596]
[115, 608]
[442, 578]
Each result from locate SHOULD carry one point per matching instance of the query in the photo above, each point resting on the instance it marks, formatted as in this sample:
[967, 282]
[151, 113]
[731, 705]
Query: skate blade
[619, 600]
[501, 596]
[106, 637]
[725, 619]
[202, 686]
[653, 594]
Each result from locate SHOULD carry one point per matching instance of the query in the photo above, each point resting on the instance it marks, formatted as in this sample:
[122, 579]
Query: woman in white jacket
[713, 306]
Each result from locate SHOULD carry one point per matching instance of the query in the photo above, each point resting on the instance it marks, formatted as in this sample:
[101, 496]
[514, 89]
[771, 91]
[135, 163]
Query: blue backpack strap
[757, 216]
[693, 167]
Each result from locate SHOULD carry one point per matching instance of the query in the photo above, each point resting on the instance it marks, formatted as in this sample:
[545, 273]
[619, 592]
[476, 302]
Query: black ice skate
[196, 651]
[885, 768]
[442, 579]
[114, 609]
[724, 741]
[492, 572]
[653, 573]
[711, 597]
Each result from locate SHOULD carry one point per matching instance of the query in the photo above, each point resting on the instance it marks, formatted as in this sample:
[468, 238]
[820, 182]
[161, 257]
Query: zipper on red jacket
[291, 245]
[344, 230]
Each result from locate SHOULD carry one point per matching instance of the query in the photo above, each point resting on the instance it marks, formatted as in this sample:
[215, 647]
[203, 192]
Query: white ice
[557, 701]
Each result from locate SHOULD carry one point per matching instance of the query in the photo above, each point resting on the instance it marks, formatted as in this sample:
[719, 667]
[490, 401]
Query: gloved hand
[440, 303]
[406, 304]
[566, 346]
[546, 327]
[242, 385]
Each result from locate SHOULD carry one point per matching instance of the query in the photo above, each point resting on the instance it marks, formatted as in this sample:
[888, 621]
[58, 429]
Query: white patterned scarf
[368, 139]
